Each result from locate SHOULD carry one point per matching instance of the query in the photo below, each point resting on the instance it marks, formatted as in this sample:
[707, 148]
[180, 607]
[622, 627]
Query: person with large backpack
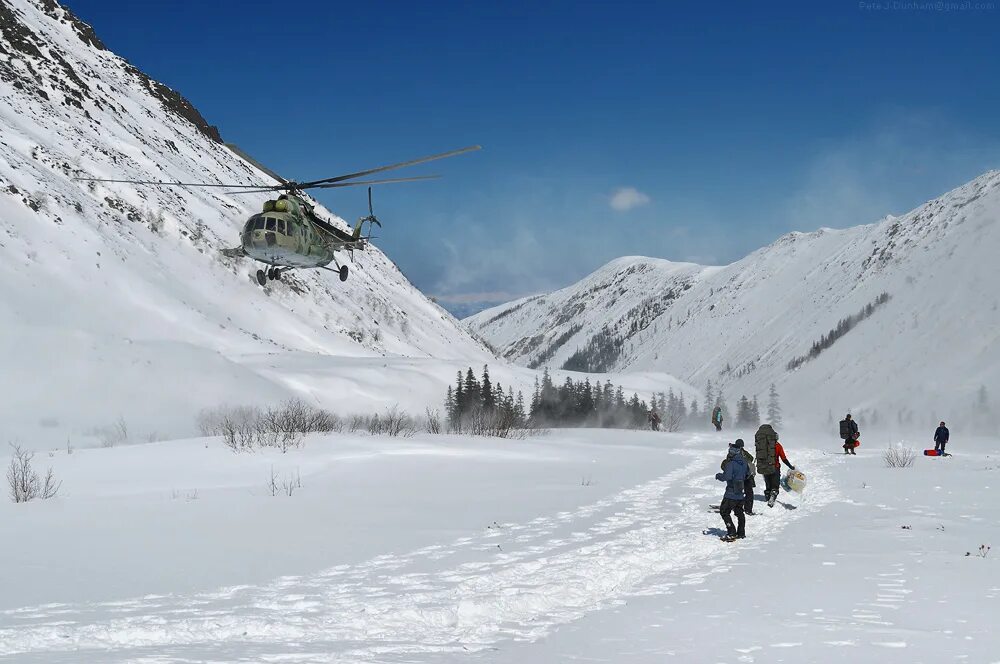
[654, 420]
[768, 454]
[849, 434]
[734, 475]
[748, 483]
[717, 418]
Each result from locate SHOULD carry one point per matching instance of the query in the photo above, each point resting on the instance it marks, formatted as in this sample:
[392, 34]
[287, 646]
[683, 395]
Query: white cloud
[626, 198]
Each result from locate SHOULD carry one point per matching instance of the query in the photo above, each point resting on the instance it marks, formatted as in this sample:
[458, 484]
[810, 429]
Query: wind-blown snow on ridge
[931, 346]
[116, 300]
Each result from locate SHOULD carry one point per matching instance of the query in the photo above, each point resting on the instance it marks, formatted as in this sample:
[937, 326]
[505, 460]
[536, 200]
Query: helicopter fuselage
[285, 239]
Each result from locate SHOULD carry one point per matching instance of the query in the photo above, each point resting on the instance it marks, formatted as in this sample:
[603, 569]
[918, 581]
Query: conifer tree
[489, 400]
[774, 408]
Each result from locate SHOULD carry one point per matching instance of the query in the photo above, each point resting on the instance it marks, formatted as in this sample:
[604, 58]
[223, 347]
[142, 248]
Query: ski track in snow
[516, 581]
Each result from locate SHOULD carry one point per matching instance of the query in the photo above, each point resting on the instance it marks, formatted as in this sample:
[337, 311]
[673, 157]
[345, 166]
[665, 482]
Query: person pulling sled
[849, 434]
[941, 439]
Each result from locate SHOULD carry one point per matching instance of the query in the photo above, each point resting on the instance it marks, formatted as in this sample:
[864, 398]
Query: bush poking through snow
[897, 456]
[287, 486]
[113, 434]
[23, 481]
[433, 421]
[245, 428]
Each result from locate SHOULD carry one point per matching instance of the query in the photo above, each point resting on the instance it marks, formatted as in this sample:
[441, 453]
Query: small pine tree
[743, 415]
[489, 400]
[774, 408]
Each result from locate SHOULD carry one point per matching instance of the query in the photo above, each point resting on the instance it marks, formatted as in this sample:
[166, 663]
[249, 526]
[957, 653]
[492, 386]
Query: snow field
[566, 553]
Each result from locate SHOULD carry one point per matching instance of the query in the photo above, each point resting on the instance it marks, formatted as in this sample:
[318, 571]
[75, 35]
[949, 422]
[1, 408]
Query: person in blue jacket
[735, 476]
[941, 438]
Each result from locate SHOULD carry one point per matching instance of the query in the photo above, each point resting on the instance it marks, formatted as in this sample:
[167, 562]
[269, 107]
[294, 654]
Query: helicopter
[288, 234]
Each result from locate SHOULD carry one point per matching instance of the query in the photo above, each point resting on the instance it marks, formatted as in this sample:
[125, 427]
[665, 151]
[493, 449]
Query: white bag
[795, 480]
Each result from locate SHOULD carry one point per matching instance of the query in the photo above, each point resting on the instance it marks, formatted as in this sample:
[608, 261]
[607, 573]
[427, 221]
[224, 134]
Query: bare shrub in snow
[287, 486]
[374, 425]
[397, 423]
[357, 422]
[897, 456]
[433, 421]
[23, 481]
[272, 483]
[113, 434]
[245, 428]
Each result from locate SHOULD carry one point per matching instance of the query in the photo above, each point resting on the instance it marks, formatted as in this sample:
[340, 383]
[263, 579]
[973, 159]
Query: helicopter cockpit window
[281, 226]
[259, 224]
[270, 223]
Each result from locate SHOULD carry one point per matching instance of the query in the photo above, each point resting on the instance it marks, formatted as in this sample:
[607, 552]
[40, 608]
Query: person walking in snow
[734, 475]
[941, 438]
[748, 483]
[717, 418]
[654, 420]
[849, 434]
[770, 454]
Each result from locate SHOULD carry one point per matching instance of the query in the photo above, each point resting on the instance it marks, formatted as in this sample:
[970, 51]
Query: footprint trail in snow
[515, 581]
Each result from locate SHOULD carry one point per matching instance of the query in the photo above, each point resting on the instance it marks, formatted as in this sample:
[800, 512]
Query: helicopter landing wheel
[274, 273]
[261, 277]
[343, 273]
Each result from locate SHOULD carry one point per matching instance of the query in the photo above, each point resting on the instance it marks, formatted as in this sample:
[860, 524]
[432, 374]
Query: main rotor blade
[412, 162]
[170, 184]
[361, 183]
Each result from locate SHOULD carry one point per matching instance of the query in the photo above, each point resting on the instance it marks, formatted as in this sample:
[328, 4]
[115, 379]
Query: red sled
[932, 452]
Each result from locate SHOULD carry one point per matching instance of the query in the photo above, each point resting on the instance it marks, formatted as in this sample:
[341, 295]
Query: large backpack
[845, 429]
[764, 440]
[750, 467]
[717, 415]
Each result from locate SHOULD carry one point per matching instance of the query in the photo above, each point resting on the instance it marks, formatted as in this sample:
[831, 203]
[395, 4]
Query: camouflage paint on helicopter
[287, 234]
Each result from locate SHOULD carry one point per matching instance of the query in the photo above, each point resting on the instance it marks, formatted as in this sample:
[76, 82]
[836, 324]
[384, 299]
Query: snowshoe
[730, 538]
[773, 498]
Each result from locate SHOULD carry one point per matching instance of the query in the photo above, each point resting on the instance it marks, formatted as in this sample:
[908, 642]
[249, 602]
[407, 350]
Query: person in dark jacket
[941, 438]
[654, 420]
[748, 483]
[734, 476]
[849, 433]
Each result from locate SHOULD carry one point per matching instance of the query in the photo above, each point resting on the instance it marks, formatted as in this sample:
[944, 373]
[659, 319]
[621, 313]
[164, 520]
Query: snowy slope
[930, 347]
[116, 301]
[585, 545]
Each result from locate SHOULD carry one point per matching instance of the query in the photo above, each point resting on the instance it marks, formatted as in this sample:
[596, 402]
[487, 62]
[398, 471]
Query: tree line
[582, 403]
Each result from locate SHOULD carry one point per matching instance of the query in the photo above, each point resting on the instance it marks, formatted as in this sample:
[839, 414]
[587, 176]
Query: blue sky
[688, 131]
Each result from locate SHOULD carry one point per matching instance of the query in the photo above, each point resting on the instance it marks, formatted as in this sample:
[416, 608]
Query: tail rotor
[371, 218]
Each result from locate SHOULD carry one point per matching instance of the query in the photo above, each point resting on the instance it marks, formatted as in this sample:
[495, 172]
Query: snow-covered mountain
[922, 354]
[115, 299]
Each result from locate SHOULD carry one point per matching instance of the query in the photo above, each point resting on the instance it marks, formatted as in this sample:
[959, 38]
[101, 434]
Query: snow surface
[927, 351]
[580, 545]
